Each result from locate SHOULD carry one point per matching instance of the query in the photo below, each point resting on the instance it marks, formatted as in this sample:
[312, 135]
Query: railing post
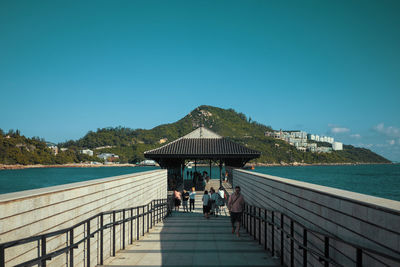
[151, 214]
[71, 250]
[265, 230]
[326, 263]
[254, 222]
[143, 221]
[251, 217]
[2, 257]
[137, 223]
[101, 238]
[163, 210]
[273, 233]
[88, 243]
[359, 257]
[148, 214]
[155, 212]
[123, 229]
[43, 250]
[158, 211]
[131, 226]
[304, 247]
[113, 233]
[259, 225]
[246, 215]
[291, 243]
[282, 240]
[243, 216]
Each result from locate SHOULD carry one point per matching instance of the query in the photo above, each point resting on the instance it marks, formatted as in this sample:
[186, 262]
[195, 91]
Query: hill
[130, 144]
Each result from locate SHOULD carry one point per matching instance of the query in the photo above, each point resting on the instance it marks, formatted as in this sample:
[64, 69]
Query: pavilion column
[220, 173]
[183, 173]
[210, 169]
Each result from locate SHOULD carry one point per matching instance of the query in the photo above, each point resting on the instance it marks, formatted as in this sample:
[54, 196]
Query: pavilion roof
[202, 143]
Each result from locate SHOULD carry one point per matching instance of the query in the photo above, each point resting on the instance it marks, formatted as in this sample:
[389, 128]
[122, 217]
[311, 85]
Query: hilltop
[130, 144]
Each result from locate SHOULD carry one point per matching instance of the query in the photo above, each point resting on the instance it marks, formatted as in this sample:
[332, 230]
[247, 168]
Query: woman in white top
[221, 199]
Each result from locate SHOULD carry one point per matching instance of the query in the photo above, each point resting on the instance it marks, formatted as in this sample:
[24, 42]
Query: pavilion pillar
[183, 174]
[210, 169]
[220, 173]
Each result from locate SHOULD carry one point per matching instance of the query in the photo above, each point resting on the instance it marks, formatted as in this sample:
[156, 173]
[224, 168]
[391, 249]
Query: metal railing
[258, 220]
[151, 213]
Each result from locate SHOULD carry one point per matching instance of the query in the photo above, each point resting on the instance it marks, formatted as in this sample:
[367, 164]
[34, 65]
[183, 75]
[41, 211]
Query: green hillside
[130, 144]
[18, 149]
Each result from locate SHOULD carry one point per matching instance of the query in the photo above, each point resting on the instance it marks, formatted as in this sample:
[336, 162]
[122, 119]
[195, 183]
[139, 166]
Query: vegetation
[130, 144]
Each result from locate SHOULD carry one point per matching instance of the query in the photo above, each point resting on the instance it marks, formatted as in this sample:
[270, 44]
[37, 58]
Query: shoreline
[248, 165]
[70, 165]
[294, 164]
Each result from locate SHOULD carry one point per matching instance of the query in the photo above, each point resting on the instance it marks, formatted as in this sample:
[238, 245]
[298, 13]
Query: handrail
[250, 215]
[156, 209]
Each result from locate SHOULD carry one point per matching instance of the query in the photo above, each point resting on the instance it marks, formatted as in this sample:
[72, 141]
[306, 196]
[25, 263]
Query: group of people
[213, 204]
[184, 197]
[199, 179]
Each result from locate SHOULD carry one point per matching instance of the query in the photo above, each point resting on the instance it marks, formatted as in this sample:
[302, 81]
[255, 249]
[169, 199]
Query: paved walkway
[188, 239]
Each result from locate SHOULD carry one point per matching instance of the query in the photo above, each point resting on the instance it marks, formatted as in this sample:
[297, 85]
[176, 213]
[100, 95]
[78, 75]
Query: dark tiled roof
[202, 147]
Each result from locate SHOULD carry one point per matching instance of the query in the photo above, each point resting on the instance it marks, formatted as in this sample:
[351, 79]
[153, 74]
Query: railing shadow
[97, 237]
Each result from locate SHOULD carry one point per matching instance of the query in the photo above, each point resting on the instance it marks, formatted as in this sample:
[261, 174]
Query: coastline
[314, 164]
[248, 165]
[70, 165]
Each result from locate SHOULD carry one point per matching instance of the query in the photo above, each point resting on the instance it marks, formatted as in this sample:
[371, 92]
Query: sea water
[25, 179]
[376, 180]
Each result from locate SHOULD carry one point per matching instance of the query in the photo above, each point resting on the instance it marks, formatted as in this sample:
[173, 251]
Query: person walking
[192, 196]
[206, 204]
[177, 196]
[185, 198]
[214, 199]
[236, 207]
[221, 199]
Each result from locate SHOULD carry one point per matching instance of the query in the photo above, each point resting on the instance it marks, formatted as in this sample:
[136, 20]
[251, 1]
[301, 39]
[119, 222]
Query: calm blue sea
[25, 179]
[376, 180]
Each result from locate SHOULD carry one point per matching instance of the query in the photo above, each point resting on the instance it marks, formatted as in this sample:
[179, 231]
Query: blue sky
[326, 67]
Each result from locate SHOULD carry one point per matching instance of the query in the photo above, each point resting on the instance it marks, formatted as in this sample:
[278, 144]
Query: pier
[129, 220]
[188, 239]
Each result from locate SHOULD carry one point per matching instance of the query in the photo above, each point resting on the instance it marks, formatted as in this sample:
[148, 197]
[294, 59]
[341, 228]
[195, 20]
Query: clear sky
[326, 67]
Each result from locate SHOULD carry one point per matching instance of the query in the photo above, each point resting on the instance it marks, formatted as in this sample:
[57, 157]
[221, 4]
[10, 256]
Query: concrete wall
[361, 219]
[28, 213]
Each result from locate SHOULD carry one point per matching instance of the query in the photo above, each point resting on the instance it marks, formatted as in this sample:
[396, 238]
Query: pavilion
[201, 145]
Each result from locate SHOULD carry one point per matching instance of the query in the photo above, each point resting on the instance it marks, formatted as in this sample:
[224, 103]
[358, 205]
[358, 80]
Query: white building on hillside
[53, 149]
[148, 162]
[108, 156]
[337, 146]
[87, 152]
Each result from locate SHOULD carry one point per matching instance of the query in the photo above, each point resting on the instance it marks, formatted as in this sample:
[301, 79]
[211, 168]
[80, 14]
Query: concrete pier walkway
[188, 239]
